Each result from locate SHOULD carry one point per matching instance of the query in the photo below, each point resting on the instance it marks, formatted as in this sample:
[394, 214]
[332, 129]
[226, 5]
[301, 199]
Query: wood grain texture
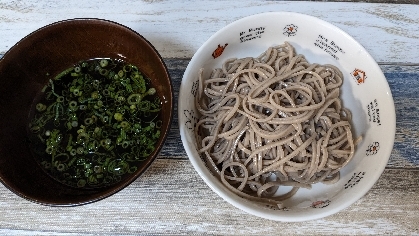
[172, 194]
[404, 84]
[178, 28]
[170, 198]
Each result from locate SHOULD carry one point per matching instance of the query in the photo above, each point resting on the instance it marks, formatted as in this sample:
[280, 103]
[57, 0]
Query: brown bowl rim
[118, 187]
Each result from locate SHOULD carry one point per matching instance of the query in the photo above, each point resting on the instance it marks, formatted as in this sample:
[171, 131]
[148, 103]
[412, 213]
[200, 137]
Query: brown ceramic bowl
[51, 50]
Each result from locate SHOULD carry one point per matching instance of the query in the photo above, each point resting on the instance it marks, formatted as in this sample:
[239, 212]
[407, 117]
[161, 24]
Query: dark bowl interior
[23, 71]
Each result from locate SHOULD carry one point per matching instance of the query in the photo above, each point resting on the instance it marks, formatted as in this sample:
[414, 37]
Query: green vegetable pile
[95, 122]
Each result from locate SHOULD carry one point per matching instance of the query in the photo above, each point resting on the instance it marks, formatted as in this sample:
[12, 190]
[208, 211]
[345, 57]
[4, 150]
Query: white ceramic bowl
[367, 95]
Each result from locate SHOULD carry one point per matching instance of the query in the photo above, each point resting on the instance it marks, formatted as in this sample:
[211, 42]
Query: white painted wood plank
[170, 198]
[178, 28]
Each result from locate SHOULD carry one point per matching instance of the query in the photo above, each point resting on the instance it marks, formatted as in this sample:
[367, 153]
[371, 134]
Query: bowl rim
[234, 199]
[118, 187]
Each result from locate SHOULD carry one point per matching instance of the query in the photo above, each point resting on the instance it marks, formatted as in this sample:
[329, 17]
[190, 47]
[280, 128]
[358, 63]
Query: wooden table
[170, 198]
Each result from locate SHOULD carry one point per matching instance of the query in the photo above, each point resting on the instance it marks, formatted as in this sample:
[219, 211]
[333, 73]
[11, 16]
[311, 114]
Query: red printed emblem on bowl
[359, 76]
[219, 50]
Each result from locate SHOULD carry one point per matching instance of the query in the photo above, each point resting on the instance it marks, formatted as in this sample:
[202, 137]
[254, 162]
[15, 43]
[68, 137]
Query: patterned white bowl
[365, 93]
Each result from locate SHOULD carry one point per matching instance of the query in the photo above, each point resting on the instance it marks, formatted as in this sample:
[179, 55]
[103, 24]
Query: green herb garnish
[95, 122]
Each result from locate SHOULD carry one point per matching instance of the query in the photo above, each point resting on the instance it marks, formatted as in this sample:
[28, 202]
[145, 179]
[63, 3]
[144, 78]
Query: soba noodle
[271, 121]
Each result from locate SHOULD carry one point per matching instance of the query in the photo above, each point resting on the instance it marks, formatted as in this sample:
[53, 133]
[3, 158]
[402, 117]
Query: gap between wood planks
[379, 63]
[373, 1]
[397, 64]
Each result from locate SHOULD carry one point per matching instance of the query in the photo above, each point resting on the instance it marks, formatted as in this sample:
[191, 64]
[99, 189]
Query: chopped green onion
[111, 110]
